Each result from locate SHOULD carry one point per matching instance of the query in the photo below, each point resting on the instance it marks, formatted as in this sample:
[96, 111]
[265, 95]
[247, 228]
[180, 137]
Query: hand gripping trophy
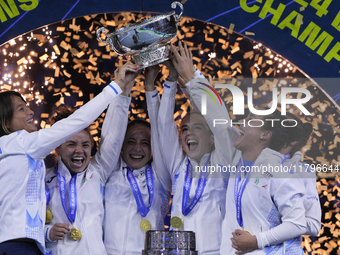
[146, 42]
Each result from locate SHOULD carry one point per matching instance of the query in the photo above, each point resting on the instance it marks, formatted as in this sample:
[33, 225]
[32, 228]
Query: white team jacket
[311, 198]
[90, 189]
[123, 235]
[269, 199]
[255, 212]
[22, 175]
[206, 217]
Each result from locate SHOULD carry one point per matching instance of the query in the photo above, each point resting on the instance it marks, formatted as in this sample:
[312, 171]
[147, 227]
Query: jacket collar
[135, 172]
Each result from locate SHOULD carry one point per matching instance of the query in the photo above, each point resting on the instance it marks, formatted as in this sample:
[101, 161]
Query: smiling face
[196, 136]
[253, 139]
[136, 151]
[76, 152]
[22, 117]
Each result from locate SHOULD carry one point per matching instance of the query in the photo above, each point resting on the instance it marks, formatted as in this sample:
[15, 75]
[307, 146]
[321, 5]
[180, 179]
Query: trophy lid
[143, 23]
[146, 41]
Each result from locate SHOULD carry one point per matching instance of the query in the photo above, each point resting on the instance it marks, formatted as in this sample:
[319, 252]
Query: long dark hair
[7, 110]
[138, 122]
[283, 136]
[62, 112]
[300, 133]
[279, 136]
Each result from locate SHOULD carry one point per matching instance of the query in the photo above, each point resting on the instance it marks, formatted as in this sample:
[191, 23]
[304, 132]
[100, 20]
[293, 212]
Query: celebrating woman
[79, 227]
[22, 150]
[199, 195]
[264, 208]
[137, 194]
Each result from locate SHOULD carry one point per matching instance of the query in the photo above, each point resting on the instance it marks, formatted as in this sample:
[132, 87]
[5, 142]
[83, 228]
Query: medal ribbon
[199, 190]
[239, 192]
[71, 214]
[143, 210]
[48, 195]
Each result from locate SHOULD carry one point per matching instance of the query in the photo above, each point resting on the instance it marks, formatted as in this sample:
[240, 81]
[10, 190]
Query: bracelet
[171, 79]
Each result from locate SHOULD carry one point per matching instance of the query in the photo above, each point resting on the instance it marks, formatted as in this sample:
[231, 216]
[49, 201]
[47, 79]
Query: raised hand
[150, 76]
[58, 231]
[127, 89]
[182, 61]
[126, 74]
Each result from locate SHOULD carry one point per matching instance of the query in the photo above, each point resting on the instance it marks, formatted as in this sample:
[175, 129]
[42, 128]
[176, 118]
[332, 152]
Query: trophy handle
[173, 6]
[99, 31]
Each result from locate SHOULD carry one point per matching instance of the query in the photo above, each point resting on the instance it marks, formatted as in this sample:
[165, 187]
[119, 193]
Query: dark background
[223, 13]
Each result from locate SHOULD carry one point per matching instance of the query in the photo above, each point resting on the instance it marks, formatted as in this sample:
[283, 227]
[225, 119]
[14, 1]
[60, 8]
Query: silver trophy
[169, 243]
[146, 42]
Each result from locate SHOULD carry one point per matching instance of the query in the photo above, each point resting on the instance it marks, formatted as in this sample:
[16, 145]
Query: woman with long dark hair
[297, 138]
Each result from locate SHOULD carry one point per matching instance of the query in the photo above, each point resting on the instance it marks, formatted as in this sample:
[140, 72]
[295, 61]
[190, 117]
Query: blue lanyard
[239, 192]
[143, 210]
[71, 214]
[48, 195]
[199, 190]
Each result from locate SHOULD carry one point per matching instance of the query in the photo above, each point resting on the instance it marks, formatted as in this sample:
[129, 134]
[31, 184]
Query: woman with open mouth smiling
[137, 194]
[76, 184]
[22, 151]
[199, 197]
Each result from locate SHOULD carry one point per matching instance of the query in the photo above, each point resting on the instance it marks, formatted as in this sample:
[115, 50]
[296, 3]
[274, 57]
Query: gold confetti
[249, 33]
[77, 56]
[231, 28]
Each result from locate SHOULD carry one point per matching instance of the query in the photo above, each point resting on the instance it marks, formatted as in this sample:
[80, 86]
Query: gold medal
[176, 222]
[75, 234]
[49, 216]
[245, 230]
[145, 225]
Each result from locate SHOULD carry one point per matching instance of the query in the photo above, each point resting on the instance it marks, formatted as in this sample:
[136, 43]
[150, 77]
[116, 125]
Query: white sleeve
[171, 147]
[312, 205]
[217, 117]
[311, 200]
[152, 100]
[279, 234]
[40, 143]
[288, 198]
[112, 136]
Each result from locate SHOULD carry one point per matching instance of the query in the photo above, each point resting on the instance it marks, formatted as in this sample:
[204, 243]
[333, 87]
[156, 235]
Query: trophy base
[173, 252]
[163, 242]
[152, 57]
